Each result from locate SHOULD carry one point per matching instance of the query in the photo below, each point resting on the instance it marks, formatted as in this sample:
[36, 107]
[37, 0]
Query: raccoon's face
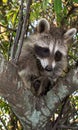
[52, 56]
[51, 48]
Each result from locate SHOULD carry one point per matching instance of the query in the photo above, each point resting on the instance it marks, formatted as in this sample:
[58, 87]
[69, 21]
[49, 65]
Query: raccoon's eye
[58, 56]
[42, 51]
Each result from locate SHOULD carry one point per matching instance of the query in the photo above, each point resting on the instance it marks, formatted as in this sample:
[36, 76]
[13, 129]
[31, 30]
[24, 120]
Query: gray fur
[32, 66]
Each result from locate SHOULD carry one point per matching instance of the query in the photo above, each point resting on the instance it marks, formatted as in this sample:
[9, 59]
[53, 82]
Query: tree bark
[33, 112]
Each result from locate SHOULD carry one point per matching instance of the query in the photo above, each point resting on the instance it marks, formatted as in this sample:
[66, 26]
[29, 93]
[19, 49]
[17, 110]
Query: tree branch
[60, 114]
[29, 2]
[33, 112]
[68, 127]
[18, 33]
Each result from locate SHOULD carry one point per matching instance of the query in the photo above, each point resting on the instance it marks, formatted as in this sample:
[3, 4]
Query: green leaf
[44, 4]
[14, 17]
[58, 9]
[57, 6]
[36, 7]
[76, 1]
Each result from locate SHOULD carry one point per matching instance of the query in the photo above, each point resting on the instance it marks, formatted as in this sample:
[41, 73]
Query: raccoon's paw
[34, 80]
[45, 87]
[35, 84]
[40, 86]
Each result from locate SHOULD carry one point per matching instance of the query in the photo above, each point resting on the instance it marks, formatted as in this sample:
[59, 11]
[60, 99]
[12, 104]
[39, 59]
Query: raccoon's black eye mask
[42, 52]
[58, 56]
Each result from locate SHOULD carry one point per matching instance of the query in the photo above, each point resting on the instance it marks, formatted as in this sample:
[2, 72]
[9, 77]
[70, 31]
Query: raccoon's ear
[69, 34]
[43, 26]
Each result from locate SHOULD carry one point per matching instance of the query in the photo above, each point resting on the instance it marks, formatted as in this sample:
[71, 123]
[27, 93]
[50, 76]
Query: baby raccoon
[44, 57]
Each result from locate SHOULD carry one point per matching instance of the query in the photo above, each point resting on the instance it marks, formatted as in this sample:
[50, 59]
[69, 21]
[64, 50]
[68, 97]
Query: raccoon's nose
[48, 68]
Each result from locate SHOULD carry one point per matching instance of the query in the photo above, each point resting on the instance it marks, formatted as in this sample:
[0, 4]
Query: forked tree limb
[33, 112]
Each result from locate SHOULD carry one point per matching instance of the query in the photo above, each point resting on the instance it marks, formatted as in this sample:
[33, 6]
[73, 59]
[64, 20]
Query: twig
[29, 2]
[10, 44]
[68, 127]
[18, 33]
[61, 112]
[11, 29]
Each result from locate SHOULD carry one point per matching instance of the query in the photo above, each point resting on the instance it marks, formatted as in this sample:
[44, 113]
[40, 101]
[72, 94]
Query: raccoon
[44, 57]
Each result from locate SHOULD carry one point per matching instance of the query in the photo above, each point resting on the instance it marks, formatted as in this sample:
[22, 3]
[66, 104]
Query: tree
[33, 112]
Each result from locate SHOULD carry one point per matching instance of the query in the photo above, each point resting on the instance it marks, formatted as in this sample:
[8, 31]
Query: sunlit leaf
[4, 1]
[44, 4]
[14, 17]
[76, 1]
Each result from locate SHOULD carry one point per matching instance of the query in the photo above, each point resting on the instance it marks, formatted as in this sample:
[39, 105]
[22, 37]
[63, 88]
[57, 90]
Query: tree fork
[33, 112]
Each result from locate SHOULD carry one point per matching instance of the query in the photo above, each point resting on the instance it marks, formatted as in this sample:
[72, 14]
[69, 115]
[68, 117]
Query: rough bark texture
[33, 112]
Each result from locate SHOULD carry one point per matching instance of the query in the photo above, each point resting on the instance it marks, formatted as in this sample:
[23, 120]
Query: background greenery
[62, 13]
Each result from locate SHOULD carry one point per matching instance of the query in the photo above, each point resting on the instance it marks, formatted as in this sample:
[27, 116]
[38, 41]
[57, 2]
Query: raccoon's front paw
[44, 87]
[47, 87]
[35, 84]
[41, 86]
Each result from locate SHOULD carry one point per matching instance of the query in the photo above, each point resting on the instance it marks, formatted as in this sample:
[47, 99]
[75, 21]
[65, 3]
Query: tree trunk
[33, 112]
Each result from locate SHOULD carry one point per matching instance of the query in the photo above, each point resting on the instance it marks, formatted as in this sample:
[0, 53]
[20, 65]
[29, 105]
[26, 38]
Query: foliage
[62, 13]
[8, 120]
